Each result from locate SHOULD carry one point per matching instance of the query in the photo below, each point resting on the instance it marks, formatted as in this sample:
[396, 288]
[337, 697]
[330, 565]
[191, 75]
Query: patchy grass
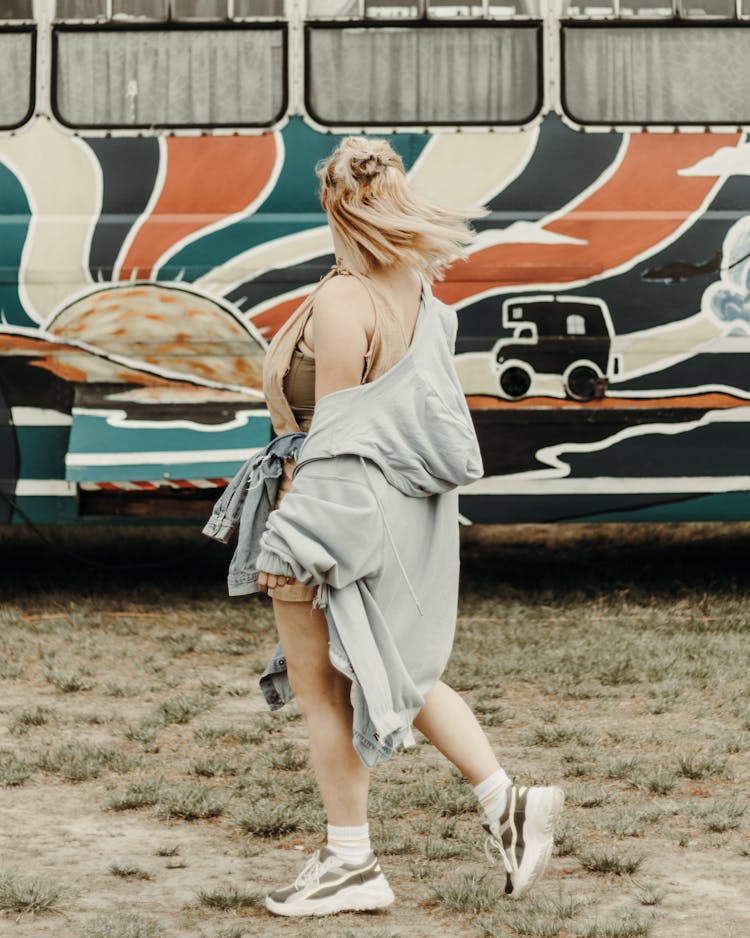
[13, 771]
[610, 660]
[121, 924]
[606, 860]
[78, 762]
[20, 893]
[469, 894]
[191, 802]
[230, 897]
[127, 870]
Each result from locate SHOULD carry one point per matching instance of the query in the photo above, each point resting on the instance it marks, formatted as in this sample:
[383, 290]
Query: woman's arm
[342, 324]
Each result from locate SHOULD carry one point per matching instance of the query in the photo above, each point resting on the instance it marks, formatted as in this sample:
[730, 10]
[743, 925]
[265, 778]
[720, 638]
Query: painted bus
[159, 221]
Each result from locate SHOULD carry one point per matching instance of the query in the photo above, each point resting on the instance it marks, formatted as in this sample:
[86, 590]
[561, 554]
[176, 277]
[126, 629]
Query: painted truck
[159, 222]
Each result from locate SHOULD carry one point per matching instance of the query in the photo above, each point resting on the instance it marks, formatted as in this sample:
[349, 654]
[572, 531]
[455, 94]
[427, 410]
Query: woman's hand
[269, 581]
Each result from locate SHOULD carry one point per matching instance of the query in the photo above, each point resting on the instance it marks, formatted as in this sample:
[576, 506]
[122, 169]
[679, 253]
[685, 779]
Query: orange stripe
[643, 203]
[706, 401]
[207, 178]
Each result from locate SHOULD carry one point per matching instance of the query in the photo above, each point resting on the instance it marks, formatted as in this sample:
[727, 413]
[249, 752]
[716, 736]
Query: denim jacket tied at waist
[245, 505]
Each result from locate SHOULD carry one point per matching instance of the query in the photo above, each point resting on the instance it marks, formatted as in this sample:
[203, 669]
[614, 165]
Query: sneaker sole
[366, 898]
[545, 814]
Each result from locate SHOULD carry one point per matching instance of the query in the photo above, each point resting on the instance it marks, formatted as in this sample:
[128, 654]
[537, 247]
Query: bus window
[199, 9]
[716, 9]
[391, 9]
[169, 78]
[121, 9]
[273, 8]
[16, 77]
[16, 10]
[360, 75]
[656, 74]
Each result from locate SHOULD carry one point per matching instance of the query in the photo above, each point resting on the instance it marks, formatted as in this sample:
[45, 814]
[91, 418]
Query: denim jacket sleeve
[245, 506]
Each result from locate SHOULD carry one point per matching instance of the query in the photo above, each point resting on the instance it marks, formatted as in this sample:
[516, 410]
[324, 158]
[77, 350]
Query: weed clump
[28, 893]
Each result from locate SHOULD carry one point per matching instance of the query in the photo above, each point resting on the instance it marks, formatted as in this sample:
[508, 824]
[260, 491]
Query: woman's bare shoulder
[344, 299]
[343, 290]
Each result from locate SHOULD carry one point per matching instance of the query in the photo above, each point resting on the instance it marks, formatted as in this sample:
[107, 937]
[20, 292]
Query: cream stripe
[466, 170]
[55, 256]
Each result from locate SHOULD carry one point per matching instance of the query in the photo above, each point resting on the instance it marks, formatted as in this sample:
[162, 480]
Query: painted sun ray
[195, 197]
[488, 163]
[635, 212]
[264, 167]
[54, 259]
[285, 251]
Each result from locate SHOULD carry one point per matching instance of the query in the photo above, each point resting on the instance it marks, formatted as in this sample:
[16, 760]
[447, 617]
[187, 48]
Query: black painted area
[280, 280]
[563, 164]
[8, 458]
[719, 449]
[634, 302]
[537, 509]
[26, 385]
[129, 170]
[510, 438]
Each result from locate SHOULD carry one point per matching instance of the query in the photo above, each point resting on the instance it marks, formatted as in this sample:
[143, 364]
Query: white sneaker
[328, 885]
[524, 834]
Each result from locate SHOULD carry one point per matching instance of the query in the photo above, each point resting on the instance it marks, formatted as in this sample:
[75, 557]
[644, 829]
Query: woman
[361, 555]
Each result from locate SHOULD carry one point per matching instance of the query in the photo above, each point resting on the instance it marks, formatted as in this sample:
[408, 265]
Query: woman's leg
[323, 696]
[450, 725]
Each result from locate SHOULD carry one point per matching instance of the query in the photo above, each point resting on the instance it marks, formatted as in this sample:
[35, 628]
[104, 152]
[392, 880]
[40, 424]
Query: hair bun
[366, 166]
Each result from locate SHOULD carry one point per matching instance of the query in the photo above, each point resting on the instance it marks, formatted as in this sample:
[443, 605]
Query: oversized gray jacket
[372, 521]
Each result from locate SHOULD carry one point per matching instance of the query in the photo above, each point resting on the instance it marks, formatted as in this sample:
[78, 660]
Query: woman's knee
[317, 686]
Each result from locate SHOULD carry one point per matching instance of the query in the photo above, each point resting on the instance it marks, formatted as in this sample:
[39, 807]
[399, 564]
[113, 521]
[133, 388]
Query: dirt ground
[145, 790]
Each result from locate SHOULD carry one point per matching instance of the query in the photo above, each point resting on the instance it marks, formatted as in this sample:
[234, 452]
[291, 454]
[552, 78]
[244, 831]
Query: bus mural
[604, 314]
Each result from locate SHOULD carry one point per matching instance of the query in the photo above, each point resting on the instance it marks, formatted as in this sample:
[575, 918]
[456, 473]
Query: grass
[191, 802]
[534, 918]
[606, 860]
[230, 897]
[26, 719]
[609, 660]
[70, 681]
[182, 708]
[627, 924]
[469, 894]
[78, 762]
[138, 795]
[13, 771]
[126, 870]
[121, 924]
[20, 893]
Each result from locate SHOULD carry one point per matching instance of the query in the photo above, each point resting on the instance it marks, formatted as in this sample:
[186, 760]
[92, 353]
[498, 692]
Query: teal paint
[723, 506]
[47, 509]
[294, 194]
[154, 472]
[14, 226]
[42, 452]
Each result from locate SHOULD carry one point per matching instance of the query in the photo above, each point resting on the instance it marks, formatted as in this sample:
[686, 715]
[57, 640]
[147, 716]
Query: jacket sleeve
[328, 528]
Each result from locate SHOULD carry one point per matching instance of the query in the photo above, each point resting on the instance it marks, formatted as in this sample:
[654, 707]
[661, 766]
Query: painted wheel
[515, 382]
[580, 382]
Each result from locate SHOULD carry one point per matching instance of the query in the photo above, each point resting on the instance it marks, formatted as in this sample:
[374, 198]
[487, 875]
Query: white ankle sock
[350, 844]
[491, 794]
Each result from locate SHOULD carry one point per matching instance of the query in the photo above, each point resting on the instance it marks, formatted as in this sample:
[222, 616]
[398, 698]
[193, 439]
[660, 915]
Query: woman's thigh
[303, 632]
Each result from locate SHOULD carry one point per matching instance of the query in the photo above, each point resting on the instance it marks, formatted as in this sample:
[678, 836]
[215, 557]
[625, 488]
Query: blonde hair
[380, 219]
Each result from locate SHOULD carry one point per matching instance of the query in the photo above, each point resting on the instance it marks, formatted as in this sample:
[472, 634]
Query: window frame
[594, 24]
[25, 27]
[316, 121]
[172, 27]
